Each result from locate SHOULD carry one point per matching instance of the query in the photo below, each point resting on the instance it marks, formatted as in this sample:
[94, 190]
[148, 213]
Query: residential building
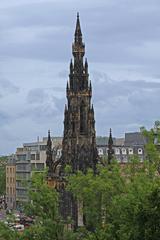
[125, 148]
[29, 158]
[11, 182]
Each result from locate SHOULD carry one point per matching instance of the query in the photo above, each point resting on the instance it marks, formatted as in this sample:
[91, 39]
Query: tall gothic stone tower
[79, 140]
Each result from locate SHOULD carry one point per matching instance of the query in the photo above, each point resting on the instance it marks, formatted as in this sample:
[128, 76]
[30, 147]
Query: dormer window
[117, 151]
[100, 151]
[130, 151]
[140, 151]
[124, 152]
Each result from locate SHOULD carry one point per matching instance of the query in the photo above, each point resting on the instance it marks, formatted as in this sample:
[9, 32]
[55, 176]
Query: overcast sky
[122, 40]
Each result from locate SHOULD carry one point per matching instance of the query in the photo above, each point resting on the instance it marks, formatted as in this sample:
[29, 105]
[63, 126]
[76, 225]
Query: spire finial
[92, 108]
[67, 88]
[49, 142]
[90, 86]
[110, 147]
[49, 133]
[110, 131]
[110, 140]
[71, 66]
[86, 65]
[78, 33]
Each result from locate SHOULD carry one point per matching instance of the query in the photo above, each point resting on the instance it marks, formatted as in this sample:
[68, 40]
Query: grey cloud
[125, 25]
[4, 118]
[122, 104]
[37, 95]
[44, 105]
[63, 74]
[7, 87]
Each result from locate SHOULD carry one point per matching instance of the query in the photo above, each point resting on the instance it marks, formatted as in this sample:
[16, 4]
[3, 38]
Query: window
[124, 152]
[10, 170]
[140, 151]
[21, 157]
[23, 176]
[100, 151]
[117, 151]
[130, 151]
[82, 118]
[43, 147]
[37, 156]
[33, 157]
[21, 192]
[23, 167]
[34, 148]
[39, 166]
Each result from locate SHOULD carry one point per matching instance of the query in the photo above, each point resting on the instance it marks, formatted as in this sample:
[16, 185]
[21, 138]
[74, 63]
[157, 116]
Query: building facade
[123, 149]
[11, 182]
[29, 158]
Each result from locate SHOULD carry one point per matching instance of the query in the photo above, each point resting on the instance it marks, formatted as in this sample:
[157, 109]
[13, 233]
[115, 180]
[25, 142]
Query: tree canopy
[119, 203]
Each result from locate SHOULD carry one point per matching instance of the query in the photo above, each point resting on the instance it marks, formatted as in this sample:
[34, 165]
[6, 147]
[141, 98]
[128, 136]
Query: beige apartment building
[11, 183]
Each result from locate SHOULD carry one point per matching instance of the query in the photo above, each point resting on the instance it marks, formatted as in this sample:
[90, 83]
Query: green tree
[6, 233]
[118, 202]
[3, 175]
[44, 207]
[96, 192]
[2, 180]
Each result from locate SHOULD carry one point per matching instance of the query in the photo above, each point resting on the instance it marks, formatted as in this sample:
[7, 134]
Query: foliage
[2, 180]
[6, 233]
[44, 207]
[2, 175]
[121, 202]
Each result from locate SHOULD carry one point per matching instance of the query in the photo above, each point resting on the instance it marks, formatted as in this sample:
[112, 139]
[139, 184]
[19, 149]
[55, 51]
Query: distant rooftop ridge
[130, 139]
[135, 138]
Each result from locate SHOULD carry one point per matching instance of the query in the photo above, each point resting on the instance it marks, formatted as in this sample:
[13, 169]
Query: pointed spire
[78, 33]
[67, 88]
[110, 140]
[92, 108]
[86, 66]
[110, 147]
[49, 142]
[65, 109]
[90, 86]
[71, 66]
[49, 136]
[49, 154]
[78, 47]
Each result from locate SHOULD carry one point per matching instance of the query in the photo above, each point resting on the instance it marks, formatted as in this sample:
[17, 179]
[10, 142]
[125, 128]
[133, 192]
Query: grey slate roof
[134, 138]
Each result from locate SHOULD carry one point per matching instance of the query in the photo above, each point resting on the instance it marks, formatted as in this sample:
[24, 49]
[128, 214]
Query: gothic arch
[82, 117]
